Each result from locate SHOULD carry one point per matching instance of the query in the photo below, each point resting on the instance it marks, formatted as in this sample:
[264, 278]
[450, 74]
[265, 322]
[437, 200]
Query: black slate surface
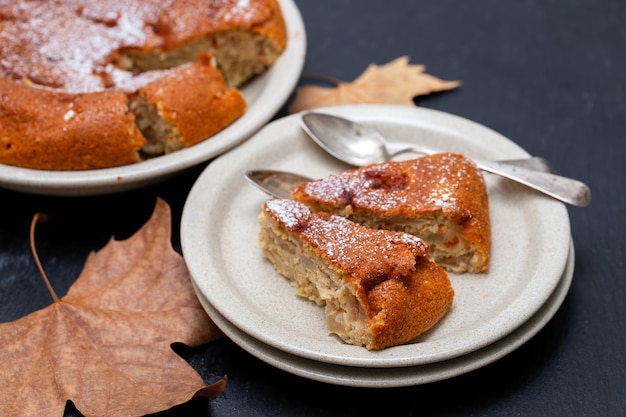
[550, 76]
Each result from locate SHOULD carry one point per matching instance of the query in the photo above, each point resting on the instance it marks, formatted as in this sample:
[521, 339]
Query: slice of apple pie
[441, 198]
[379, 288]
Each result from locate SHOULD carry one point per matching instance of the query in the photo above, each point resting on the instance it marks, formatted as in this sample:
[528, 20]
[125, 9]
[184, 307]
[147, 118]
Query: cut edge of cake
[441, 198]
[378, 287]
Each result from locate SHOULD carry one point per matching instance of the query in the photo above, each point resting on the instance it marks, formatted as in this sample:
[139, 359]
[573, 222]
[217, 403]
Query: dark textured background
[550, 75]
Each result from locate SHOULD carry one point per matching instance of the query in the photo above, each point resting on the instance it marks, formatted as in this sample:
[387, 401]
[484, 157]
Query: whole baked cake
[379, 288]
[88, 84]
[441, 198]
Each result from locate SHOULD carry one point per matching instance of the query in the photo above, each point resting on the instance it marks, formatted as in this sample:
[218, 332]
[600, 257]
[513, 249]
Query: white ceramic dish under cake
[265, 96]
[219, 235]
[406, 376]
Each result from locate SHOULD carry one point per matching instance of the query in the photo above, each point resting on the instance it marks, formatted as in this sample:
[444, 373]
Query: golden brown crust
[73, 51]
[79, 57]
[274, 26]
[402, 309]
[31, 119]
[397, 192]
[207, 106]
[402, 292]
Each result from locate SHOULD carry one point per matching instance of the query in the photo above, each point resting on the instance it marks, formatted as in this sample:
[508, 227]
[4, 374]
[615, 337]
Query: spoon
[275, 183]
[361, 145]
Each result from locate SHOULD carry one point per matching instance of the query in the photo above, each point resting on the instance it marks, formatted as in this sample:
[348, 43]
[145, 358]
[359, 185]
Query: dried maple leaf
[106, 344]
[394, 83]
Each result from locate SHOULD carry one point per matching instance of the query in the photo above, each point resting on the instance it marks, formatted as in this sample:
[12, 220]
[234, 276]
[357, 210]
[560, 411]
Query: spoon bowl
[275, 183]
[359, 145]
[353, 143]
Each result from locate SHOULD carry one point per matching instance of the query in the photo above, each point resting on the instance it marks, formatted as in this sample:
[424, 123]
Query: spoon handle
[279, 183]
[562, 188]
[532, 162]
[533, 172]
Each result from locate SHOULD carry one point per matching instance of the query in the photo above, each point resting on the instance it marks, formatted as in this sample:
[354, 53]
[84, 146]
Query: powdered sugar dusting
[237, 11]
[69, 115]
[288, 213]
[348, 244]
[71, 44]
[440, 182]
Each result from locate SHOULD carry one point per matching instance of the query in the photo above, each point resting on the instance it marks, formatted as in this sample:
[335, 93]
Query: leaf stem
[36, 219]
[317, 77]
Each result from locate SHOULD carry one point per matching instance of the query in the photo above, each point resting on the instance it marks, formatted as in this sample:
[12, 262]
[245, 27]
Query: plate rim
[389, 377]
[398, 114]
[279, 82]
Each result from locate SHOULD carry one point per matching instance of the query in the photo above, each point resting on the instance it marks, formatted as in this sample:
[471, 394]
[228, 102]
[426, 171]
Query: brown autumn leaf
[106, 344]
[396, 82]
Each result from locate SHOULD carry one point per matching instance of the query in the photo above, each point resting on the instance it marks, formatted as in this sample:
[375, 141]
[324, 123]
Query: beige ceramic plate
[397, 377]
[265, 95]
[530, 234]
